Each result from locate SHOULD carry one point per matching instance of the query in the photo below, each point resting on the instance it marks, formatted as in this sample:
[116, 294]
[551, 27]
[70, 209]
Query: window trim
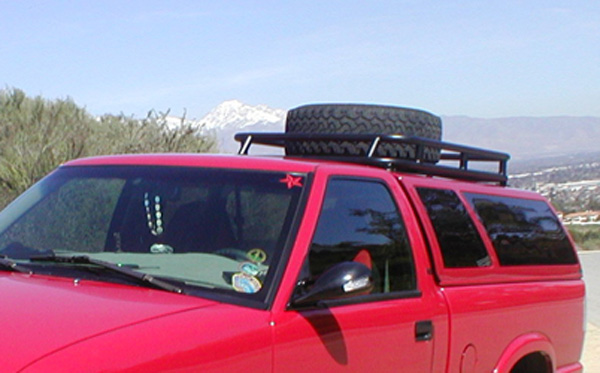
[479, 275]
[476, 227]
[240, 299]
[494, 250]
[401, 294]
[361, 299]
[288, 245]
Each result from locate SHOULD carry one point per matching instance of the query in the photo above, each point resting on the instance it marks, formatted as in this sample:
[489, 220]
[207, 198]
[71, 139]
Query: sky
[477, 58]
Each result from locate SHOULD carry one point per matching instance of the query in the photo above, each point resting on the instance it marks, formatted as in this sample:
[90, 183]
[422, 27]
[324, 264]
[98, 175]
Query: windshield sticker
[243, 283]
[292, 181]
[251, 269]
[257, 255]
[159, 248]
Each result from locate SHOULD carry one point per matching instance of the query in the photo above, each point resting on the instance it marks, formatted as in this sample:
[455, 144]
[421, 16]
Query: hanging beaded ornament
[153, 214]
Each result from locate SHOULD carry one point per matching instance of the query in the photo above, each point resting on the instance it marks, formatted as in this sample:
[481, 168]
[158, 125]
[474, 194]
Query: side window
[360, 222]
[524, 232]
[459, 241]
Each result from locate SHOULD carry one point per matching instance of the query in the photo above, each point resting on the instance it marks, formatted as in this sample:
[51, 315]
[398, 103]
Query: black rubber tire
[361, 119]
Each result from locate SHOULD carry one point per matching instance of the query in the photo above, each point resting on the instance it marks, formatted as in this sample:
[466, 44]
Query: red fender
[523, 346]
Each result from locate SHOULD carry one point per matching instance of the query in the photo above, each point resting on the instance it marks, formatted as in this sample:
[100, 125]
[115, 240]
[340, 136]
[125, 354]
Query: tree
[37, 135]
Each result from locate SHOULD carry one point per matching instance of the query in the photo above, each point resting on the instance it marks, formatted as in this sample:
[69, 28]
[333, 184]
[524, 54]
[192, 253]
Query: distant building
[586, 217]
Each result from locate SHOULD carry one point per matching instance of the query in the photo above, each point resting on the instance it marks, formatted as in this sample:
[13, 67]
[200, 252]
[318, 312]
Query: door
[392, 328]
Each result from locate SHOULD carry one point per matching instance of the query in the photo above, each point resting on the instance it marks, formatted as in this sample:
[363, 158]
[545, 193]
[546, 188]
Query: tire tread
[361, 119]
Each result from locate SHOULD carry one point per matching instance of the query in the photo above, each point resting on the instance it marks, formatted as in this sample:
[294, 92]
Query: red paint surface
[495, 314]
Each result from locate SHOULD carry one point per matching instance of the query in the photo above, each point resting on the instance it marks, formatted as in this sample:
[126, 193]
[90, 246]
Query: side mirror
[343, 280]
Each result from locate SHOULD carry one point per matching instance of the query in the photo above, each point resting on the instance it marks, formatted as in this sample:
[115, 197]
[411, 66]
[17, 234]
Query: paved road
[590, 261]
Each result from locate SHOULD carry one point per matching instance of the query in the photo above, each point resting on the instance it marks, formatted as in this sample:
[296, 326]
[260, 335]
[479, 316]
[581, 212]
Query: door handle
[423, 330]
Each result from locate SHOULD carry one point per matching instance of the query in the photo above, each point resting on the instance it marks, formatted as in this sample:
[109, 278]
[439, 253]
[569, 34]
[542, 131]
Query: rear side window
[459, 241]
[523, 232]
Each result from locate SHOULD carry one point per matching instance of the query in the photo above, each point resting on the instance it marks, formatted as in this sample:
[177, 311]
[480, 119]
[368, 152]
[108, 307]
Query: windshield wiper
[124, 270]
[6, 263]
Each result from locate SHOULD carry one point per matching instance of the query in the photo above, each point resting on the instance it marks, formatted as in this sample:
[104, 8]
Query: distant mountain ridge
[526, 139]
[522, 137]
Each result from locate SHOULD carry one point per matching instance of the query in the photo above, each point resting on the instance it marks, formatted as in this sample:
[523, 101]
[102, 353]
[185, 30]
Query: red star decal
[292, 181]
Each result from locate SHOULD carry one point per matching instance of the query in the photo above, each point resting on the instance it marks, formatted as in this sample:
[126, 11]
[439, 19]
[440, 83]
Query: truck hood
[40, 315]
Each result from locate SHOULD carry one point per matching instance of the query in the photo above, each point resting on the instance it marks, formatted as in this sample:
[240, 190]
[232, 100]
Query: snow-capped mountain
[525, 138]
[234, 116]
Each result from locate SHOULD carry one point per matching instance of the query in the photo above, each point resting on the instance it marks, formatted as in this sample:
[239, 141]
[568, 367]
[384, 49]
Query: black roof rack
[458, 156]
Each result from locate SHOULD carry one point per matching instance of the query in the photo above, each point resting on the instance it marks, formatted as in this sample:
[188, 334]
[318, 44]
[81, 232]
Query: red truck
[360, 250]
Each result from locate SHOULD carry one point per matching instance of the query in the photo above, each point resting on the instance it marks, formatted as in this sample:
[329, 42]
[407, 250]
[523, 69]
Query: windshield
[214, 230]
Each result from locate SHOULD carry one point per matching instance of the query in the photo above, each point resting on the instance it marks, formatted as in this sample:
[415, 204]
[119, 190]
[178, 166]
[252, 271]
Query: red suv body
[236, 263]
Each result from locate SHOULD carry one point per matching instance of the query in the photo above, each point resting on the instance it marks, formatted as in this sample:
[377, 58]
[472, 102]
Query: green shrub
[37, 135]
[586, 237]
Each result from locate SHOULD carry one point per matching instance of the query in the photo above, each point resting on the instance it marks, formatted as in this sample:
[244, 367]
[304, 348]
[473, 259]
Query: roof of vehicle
[199, 160]
[281, 163]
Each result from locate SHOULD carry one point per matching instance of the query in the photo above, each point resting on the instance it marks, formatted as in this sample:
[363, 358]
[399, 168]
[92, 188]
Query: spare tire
[361, 119]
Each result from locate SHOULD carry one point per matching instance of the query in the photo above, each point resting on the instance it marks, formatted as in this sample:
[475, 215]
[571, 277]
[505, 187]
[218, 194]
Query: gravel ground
[591, 349]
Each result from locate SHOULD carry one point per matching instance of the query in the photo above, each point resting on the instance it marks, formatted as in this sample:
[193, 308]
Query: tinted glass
[360, 222]
[201, 227]
[459, 241]
[524, 232]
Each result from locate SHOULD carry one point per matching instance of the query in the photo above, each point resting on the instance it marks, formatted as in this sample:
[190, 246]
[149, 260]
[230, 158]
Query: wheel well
[535, 362]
